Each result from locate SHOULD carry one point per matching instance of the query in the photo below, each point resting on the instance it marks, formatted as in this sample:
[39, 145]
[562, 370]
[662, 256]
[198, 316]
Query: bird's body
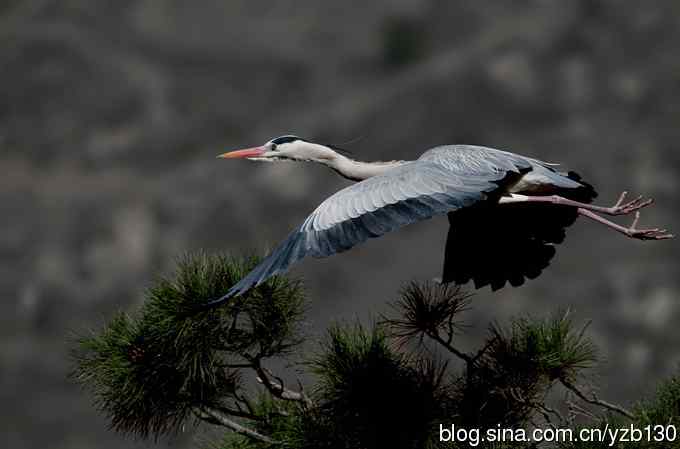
[506, 211]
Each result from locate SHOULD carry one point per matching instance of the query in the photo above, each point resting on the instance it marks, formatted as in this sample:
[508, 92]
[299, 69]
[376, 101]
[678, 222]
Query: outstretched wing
[411, 192]
[495, 245]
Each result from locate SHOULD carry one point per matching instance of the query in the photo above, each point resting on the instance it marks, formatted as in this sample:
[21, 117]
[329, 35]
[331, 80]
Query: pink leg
[620, 208]
[588, 210]
[632, 231]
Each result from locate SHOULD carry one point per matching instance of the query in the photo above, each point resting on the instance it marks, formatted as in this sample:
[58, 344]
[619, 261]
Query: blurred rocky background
[111, 114]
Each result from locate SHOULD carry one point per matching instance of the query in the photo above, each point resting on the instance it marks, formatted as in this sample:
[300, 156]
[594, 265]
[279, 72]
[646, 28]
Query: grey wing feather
[476, 159]
[410, 192]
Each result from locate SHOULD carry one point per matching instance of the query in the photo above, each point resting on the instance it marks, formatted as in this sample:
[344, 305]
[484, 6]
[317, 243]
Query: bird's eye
[273, 147]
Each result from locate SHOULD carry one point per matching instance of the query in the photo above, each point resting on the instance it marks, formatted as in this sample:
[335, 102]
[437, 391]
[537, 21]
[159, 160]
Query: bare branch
[451, 325]
[238, 365]
[547, 411]
[553, 411]
[276, 386]
[214, 416]
[578, 410]
[486, 347]
[572, 414]
[594, 400]
[245, 400]
[239, 413]
[546, 416]
[447, 344]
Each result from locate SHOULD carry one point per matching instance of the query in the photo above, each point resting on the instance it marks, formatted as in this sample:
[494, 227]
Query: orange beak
[245, 153]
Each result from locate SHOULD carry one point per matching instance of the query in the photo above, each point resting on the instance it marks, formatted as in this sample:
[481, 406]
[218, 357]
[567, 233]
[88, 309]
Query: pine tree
[397, 384]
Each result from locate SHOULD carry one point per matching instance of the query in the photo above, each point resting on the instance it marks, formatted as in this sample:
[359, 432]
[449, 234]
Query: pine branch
[276, 387]
[245, 400]
[214, 416]
[545, 412]
[484, 349]
[578, 410]
[595, 400]
[238, 365]
[467, 358]
[239, 413]
[430, 309]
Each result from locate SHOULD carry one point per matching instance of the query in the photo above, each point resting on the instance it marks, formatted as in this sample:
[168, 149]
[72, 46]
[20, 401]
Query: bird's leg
[632, 231]
[620, 208]
[588, 210]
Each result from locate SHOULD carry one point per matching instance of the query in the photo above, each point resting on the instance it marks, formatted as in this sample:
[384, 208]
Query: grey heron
[506, 211]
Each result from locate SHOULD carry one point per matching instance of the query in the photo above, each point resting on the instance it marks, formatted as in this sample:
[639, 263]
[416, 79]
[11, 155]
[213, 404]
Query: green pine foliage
[508, 381]
[369, 395]
[152, 371]
[391, 385]
[664, 407]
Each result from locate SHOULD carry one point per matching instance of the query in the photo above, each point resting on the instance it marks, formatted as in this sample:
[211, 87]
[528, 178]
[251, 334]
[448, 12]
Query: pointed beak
[245, 153]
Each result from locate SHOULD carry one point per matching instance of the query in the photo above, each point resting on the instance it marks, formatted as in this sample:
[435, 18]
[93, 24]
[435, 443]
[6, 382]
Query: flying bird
[506, 212]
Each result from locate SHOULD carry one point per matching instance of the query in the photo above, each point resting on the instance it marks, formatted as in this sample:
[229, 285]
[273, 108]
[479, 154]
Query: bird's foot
[646, 234]
[622, 208]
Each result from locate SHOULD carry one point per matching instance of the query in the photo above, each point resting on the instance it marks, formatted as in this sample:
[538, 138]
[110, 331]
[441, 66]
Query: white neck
[356, 170]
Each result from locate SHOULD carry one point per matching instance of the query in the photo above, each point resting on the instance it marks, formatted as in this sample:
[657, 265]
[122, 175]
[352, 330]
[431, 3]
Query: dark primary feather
[408, 193]
[494, 245]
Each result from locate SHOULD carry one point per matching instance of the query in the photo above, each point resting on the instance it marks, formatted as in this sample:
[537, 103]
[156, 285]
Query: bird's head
[292, 148]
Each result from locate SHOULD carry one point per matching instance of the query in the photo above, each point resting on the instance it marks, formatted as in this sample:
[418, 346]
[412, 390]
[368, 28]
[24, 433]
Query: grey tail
[495, 245]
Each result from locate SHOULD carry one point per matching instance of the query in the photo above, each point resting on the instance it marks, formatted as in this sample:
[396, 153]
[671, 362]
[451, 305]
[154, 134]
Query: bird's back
[538, 177]
[475, 160]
